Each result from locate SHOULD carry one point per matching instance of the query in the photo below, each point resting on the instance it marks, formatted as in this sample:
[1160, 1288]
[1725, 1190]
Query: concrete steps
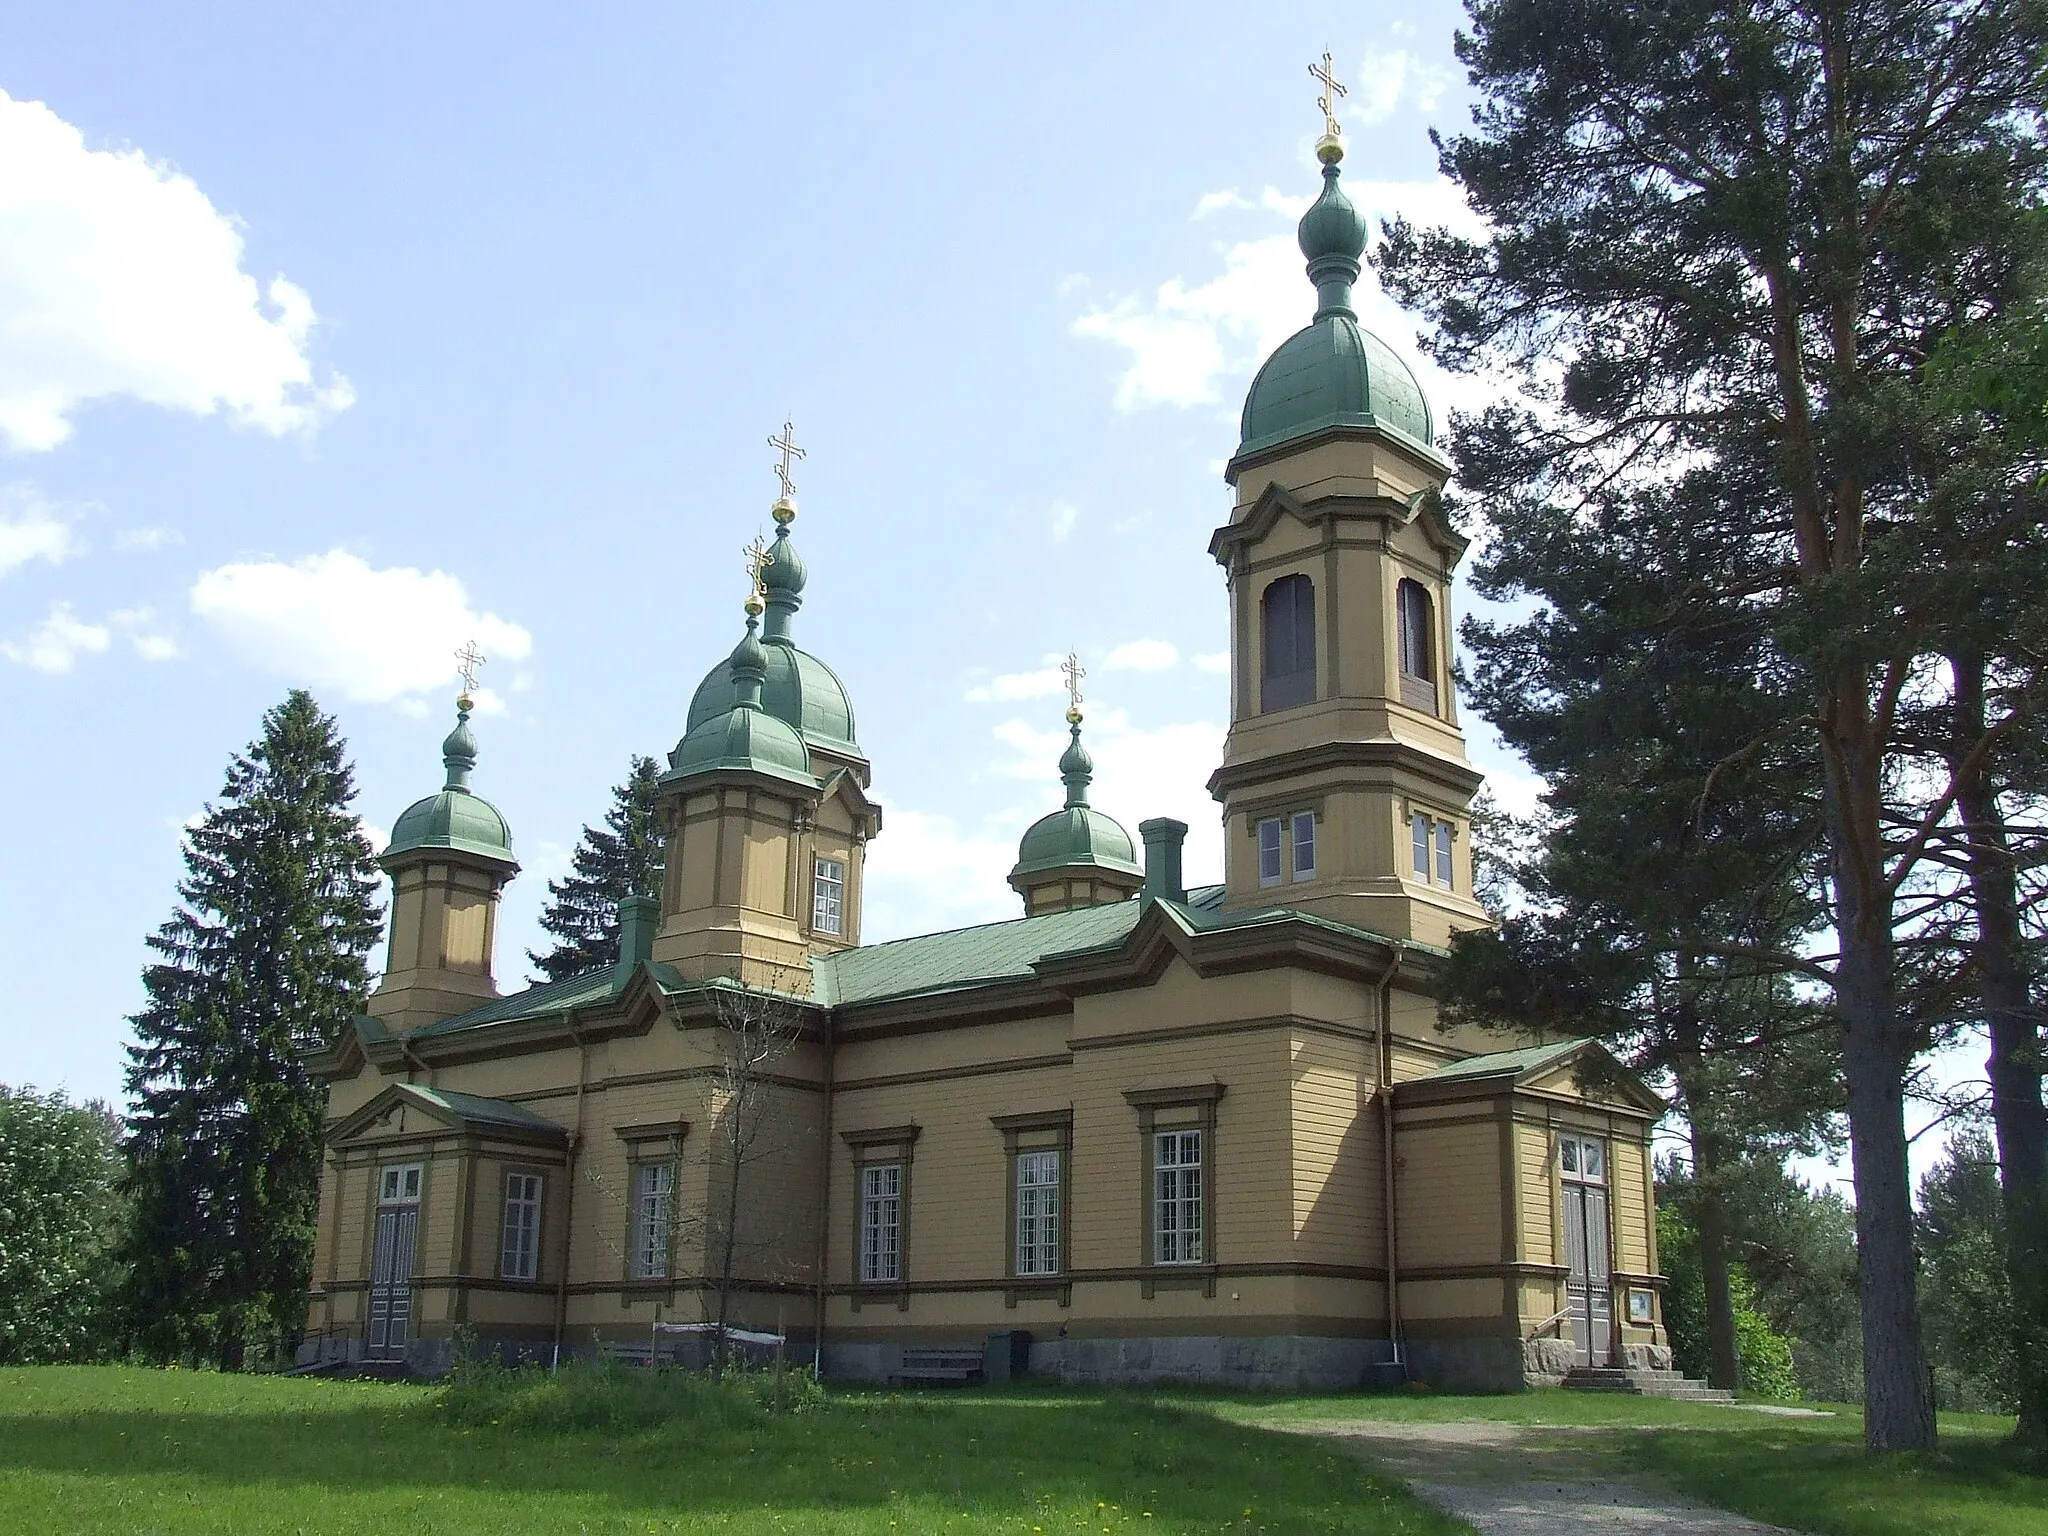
[1636, 1382]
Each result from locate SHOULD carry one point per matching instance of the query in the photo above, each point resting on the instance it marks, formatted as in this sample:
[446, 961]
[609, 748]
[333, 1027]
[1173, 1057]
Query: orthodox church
[1144, 1131]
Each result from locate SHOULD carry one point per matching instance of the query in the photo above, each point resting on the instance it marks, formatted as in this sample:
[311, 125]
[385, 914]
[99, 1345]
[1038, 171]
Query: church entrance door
[1589, 1289]
[391, 1262]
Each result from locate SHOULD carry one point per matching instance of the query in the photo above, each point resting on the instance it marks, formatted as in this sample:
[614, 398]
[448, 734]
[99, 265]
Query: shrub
[607, 1396]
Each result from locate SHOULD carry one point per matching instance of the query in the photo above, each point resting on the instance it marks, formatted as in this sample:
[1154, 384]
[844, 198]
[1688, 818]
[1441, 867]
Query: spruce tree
[620, 859]
[1740, 232]
[263, 959]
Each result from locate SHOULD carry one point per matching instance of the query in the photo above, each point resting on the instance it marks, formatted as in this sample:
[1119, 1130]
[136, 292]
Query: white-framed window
[1582, 1160]
[1303, 825]
[1272, 865]
[1177, 1197]
[399, 1185]
[1432, 847]
[653, 1190]
[828, 896]
[881, 1221]
[1038, 1212]
[519, 1246]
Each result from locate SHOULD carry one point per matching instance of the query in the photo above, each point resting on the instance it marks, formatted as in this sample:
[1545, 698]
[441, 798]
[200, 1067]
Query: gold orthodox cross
[785, 443]
[1332, 90]
[1075, 672]
[759, 558]
[467, 660]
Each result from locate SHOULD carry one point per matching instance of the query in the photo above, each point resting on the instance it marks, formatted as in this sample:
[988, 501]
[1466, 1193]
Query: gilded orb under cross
[1075, 672]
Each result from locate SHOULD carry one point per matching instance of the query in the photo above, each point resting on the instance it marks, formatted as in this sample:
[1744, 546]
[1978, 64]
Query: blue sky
[333, 337]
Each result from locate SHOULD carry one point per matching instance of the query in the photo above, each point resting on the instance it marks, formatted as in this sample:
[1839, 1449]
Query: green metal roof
[1334, 372]
[456, 818]
[592, 987]
[743, 739]
[799, 690]
[1076, 837]
[970, 957]
[1517, 1063]
[483, 1111]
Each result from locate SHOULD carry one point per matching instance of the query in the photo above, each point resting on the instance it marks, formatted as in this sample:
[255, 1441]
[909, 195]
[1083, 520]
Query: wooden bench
[940, 1365]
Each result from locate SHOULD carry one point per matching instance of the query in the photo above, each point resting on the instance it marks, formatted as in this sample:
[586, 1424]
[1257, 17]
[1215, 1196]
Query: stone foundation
[1288, 1363]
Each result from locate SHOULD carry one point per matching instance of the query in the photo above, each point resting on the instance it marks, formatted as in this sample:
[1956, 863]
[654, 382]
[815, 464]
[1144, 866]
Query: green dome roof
[1077, 835]
[455, 818]
[1333, 373]
[745, 737]
[799, 690]
[742, 740]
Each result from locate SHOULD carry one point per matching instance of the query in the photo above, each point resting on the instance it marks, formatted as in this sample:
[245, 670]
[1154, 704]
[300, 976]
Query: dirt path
[1528, 1480]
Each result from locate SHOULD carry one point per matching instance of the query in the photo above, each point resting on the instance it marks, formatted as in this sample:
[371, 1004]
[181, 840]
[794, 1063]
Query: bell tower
[1345, 787]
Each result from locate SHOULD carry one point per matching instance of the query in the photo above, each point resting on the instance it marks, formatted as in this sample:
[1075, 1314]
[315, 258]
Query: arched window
[1418, 646]
[1287, 649]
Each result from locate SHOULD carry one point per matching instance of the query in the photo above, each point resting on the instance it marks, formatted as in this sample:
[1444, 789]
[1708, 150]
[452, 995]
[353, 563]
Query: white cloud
[1008, 687]
[1212, 661]
[1229, 199]
[926, 873]
[31, 529]
[1142, 656]
[1388, 77]
[57, 642]
[1064, 515]
[333, 621]
[121, 278]
[144, 634]
[142, 541]
[1187, 339]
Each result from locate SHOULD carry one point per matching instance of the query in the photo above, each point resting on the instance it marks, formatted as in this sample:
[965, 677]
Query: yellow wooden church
[1142, 1132]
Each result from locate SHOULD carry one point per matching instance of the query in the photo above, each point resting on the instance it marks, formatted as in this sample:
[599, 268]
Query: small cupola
[1077, 856]
[449, 857]
[1333, 373]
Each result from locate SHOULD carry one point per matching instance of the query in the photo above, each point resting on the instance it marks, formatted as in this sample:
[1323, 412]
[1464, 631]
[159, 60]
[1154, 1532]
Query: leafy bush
[60, 1211]
[1762, 1353]
[606, 1395]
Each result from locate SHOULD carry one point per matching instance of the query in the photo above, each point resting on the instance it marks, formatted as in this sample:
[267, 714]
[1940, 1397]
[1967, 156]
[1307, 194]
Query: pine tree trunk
[1898, 1406]
[2017, 1112]
[1724, 1363]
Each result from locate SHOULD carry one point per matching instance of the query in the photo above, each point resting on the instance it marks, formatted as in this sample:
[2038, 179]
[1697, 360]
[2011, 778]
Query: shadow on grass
[1977, 1483]
[284, 1444]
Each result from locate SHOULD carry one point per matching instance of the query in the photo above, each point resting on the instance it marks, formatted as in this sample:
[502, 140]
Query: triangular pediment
[409, 1109]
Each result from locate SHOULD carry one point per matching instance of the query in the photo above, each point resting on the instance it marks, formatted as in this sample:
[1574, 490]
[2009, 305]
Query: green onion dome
[456, 818]
[796, 687]
[746, 737]
[1333, 373]
[1077, 836]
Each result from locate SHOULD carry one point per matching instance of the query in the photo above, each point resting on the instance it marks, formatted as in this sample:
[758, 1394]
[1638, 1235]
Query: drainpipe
[569, 1179]
[824, 1197]
[1386, 1095]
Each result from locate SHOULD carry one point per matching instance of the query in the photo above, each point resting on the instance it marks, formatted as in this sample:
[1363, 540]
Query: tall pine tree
[263, 959]
[620, 859]
[1740, 231]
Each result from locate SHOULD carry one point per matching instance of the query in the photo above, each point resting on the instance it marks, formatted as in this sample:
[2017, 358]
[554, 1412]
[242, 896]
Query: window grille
[519, 1254]
[1177, 1197]
[881, 1221]
[1038, 1213]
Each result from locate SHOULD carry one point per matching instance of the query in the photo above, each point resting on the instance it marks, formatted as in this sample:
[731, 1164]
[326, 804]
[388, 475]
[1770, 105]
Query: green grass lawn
[111, 1449]
[1807, 1473]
